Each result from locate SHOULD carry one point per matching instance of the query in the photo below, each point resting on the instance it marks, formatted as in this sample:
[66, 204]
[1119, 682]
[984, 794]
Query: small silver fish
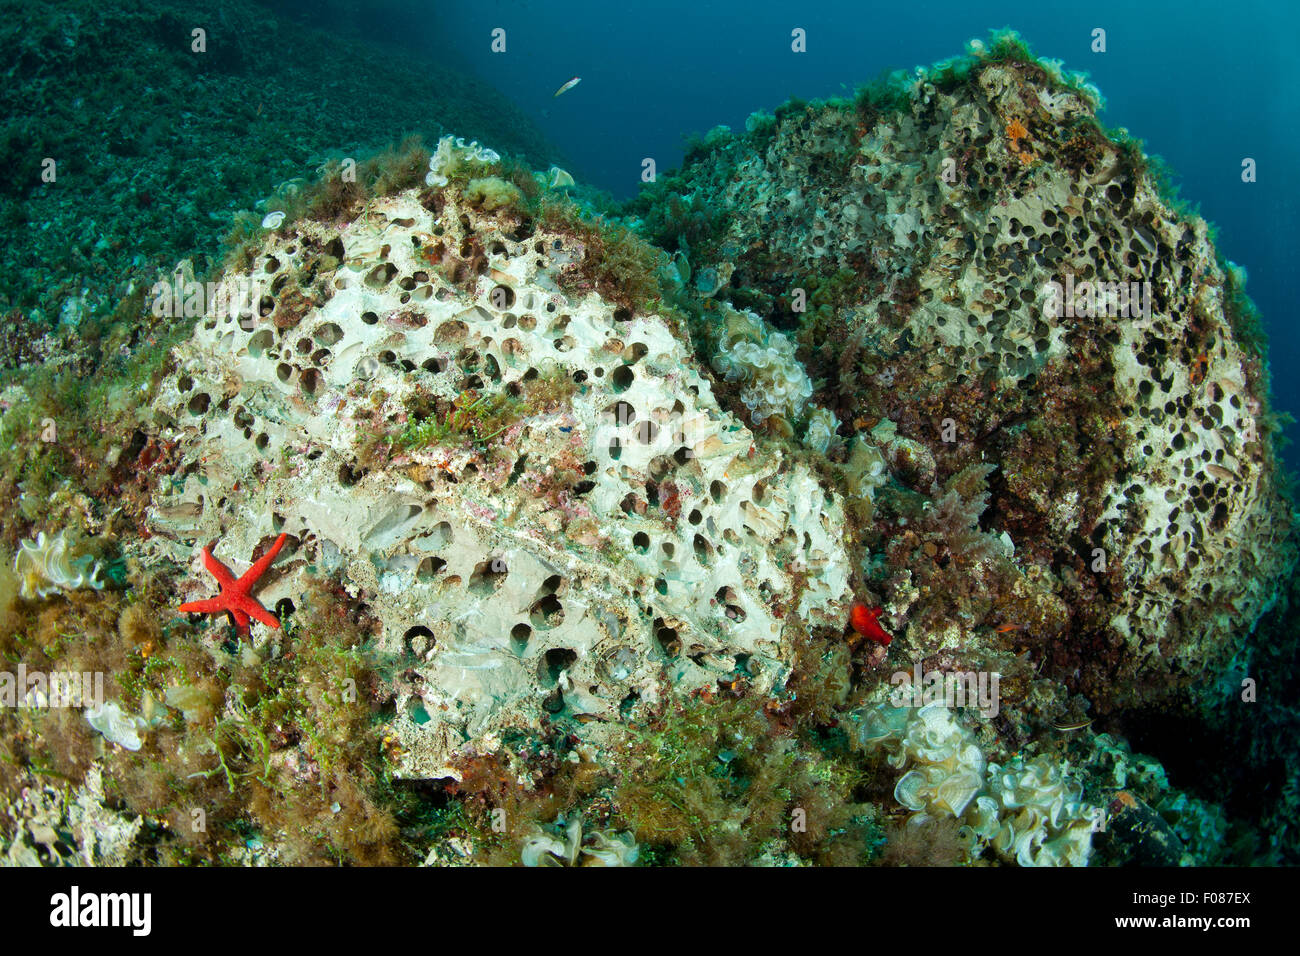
[568, 86]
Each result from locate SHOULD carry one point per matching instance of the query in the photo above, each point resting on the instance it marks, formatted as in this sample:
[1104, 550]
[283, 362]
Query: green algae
[479, 419]
[80, 429]
[146, 180]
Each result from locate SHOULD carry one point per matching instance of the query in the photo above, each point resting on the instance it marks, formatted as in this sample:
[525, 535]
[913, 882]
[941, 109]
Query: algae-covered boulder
[967, 256]
[536, 497]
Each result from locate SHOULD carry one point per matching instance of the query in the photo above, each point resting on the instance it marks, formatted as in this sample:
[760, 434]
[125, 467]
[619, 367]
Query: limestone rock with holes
[618, 538]
[992, 272]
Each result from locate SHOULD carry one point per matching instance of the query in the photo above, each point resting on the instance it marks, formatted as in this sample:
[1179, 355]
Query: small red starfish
[236, 596]
[864, 621]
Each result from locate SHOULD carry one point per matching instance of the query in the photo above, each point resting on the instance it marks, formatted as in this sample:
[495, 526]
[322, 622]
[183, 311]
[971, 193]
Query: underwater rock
[537, 498]
[1149, 822]
[573, 527]
[989, 270]
[69, 827]
[1137, 835]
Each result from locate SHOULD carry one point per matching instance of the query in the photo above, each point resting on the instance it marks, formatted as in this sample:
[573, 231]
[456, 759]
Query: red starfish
[864, 621]
[236, 596]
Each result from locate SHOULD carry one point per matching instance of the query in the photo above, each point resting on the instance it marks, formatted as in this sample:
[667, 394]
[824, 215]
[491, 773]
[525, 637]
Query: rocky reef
[954, 252]
[582, 510]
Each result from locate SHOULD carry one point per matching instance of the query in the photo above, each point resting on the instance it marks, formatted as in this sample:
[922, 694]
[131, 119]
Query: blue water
[1205, 84]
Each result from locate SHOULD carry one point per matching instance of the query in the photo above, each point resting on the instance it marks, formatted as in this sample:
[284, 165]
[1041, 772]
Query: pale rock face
[100, 836]
[669, 563]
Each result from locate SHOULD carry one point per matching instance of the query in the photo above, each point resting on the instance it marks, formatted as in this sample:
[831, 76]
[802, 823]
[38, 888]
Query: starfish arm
[241, 621]
[213, 605]
[223, 574]
[249, 577]
[250, 606]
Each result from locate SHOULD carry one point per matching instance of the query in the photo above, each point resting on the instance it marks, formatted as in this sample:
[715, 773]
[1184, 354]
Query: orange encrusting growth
[1016, 131]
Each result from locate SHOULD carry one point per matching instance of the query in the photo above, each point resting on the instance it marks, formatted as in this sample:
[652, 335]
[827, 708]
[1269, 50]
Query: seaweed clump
[934, 841]
[721, 782]
[240, 751]
[297, 748]
[617, 264]
[339, 193]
